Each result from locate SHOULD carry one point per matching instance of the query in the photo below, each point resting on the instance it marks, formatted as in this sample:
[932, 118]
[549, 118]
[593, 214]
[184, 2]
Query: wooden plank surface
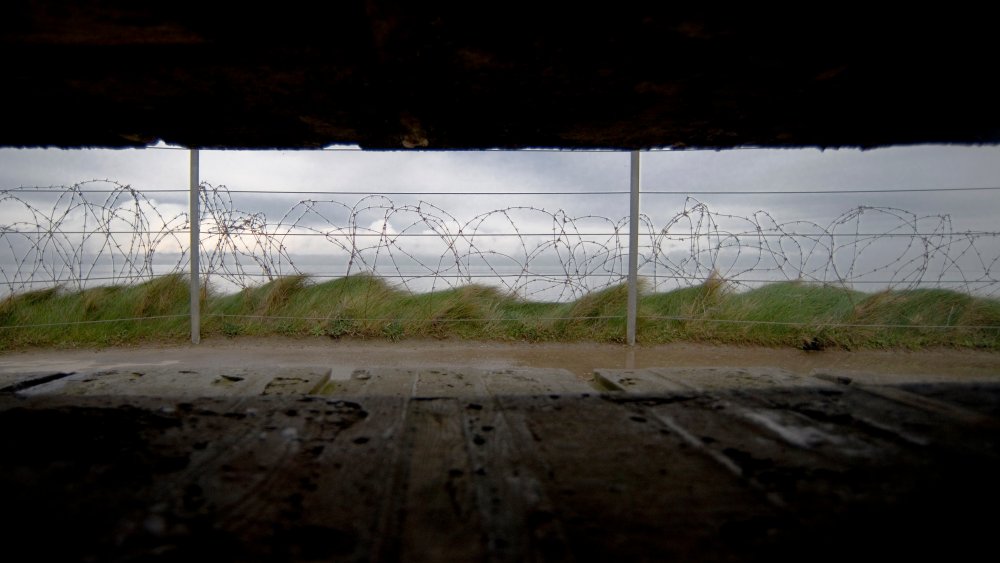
[722, 378]
[483, 465]
[157, 381]
[621, 485]
[441, 482]
[534, 381]
[635, 381]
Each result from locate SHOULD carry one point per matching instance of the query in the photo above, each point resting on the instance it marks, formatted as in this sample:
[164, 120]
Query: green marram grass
[803, 315]
[43, 315]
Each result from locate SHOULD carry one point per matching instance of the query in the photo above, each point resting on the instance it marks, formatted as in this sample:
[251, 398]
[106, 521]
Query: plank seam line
[772, 497]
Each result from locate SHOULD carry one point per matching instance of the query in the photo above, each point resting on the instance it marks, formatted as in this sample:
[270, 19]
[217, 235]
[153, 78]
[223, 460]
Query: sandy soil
[580, 358]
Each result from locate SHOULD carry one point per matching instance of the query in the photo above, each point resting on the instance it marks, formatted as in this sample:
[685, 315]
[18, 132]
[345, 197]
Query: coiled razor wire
[77, 236]
[887, 246]
[121, 236]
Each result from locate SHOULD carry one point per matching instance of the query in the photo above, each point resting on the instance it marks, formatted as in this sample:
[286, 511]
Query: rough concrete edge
[34, 380]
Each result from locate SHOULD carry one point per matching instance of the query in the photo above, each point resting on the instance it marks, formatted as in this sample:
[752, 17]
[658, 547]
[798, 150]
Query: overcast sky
[739, 170]
[922, 167]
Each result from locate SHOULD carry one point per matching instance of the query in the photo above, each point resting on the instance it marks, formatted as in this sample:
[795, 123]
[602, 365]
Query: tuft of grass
[893, 318]
[783, 314]
[808, 316]
[526, 321]
[93, 315]
[597, 316]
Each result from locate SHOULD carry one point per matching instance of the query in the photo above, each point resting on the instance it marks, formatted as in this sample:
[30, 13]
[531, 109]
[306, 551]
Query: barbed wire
[97, 321]
[678, 318]
[813, 324]
[529, 251]
[415, 321]
[688, 192]
[76, 234]
[909, 250]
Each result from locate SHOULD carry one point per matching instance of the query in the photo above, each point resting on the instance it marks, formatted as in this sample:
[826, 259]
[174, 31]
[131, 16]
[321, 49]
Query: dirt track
[581, 358]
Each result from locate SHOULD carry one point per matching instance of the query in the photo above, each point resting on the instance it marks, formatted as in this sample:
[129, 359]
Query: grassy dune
[779, 314]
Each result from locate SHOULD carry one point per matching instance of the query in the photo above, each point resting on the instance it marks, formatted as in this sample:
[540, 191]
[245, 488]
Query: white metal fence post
[633, 252]
[195, 222]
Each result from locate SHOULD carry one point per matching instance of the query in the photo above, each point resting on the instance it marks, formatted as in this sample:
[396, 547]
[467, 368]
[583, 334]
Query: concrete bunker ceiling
[393, 75]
